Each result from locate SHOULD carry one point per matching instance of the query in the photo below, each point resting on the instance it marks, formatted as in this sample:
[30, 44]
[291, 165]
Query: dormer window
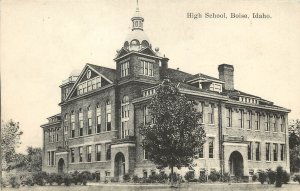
[89, 85]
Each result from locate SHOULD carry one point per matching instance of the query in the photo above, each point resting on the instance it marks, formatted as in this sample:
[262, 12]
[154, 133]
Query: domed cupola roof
[137, 38]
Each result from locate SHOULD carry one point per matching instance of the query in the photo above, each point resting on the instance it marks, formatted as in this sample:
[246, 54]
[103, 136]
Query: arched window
[80, 119]
[124, 116]
[108, 115]
[89, 130]
[145, 44]
[98, 118]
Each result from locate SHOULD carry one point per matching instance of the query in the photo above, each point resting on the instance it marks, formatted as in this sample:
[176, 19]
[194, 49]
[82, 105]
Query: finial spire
[137, 5]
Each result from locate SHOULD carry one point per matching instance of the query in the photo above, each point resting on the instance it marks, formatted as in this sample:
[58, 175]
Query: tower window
[124, 117]
[146, 68]
[98, 118]
[108, 116]
[124, 69]
[89, 130]
[80, 122]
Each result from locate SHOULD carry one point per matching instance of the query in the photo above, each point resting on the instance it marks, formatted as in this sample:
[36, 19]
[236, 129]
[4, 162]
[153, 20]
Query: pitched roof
[200, 75]
[107, 72]
[177, 75]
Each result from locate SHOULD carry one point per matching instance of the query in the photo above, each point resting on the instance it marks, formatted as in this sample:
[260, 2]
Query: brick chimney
[164, 67]
[226, 75]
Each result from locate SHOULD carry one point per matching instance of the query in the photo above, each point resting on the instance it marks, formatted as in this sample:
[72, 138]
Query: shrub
[85, 176]
[162, 177]
[175, 177]
[202, 178]
[40, 178]
[135, 179]
[285, 177]
[272, 176]
[279, 176]
[154, 178]
[67, 179]
[189, 176]
[76, 177]
[59, 179]
[214, 176]
[254, 178]
[14, 182]
[51, 178]
[226, 177]
[262, 177]
[126, 177]
[29, 181]
[297, 178]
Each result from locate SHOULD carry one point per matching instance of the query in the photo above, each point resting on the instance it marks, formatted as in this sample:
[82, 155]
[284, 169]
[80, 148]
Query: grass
[184, 187]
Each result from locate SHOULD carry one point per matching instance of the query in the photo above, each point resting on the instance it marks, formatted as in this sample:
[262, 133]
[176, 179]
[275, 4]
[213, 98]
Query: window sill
[268, 161]
[211, 124]
[256, 161]
[257, 130]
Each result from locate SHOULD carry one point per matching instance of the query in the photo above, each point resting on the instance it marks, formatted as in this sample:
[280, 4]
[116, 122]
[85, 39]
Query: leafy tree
[10, 133]
[174, 135]
[34, 159]
[294, 144]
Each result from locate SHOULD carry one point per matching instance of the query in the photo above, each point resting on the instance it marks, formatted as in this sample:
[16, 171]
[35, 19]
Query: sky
[43, 41]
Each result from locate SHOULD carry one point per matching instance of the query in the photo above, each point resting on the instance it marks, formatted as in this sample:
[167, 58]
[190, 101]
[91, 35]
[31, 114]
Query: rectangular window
[229, 117]
[249, 120]
[98, 82]
[73, 125]
[257, 151]
[268, 122]
[124, 69]
[249, 151]
[145, 153]
[80, 123]
[200, 109]
[274, 123]
[275, 152]
[89, 122]
[108, 116]
[72, 153]
[98, 152]
[211, 147]
[282, 124]
[201, 152]
[98, 118]
[145, 115]
[147, 68]
[108, 151]
[282, 149]
[241, 118]
[94, 84]
[257, 121]
[124, 129]
[211, 114]
[89, 85]
[52, 158]
[49, 158]
[89, 153]
[268, 153]
[80, 154]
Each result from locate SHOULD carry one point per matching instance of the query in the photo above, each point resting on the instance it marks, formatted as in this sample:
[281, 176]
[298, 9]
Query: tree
[175, 134]
[34, 159]
[294, 144]
[10, 133]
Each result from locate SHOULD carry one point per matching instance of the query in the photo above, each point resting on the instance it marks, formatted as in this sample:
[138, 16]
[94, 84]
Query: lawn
[184, 187]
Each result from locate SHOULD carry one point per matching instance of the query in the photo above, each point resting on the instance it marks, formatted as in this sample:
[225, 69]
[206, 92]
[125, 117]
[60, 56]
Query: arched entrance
[236, 164]
[119, 165]
[61, 166]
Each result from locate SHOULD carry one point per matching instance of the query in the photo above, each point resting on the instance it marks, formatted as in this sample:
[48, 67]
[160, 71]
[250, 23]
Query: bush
[154, 178]
[126, 177]
[29, 181]
[262, 177]
[189, 176]
[162, 177]
[76, 177]
[85, 176]
[214, 176]
[51, 178]
[254, 178]
[272, 176]
[175, 177]
[297, 178]
[67, 179]
[202, 178]
[40, 178]
[135, 179]
[14, 182]
[226, 177]
[285, 177]
[279, 176]
[59, 179]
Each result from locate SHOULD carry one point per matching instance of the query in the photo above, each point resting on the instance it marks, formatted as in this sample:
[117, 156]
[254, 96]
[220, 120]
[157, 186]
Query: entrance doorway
[236, 164]
[119, 165]
[61, 166]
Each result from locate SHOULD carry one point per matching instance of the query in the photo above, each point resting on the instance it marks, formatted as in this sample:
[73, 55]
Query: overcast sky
[43, 41]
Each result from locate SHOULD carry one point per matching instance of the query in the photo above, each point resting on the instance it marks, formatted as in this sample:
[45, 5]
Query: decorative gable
[148, 51]
[122, 52]
[89, 80]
